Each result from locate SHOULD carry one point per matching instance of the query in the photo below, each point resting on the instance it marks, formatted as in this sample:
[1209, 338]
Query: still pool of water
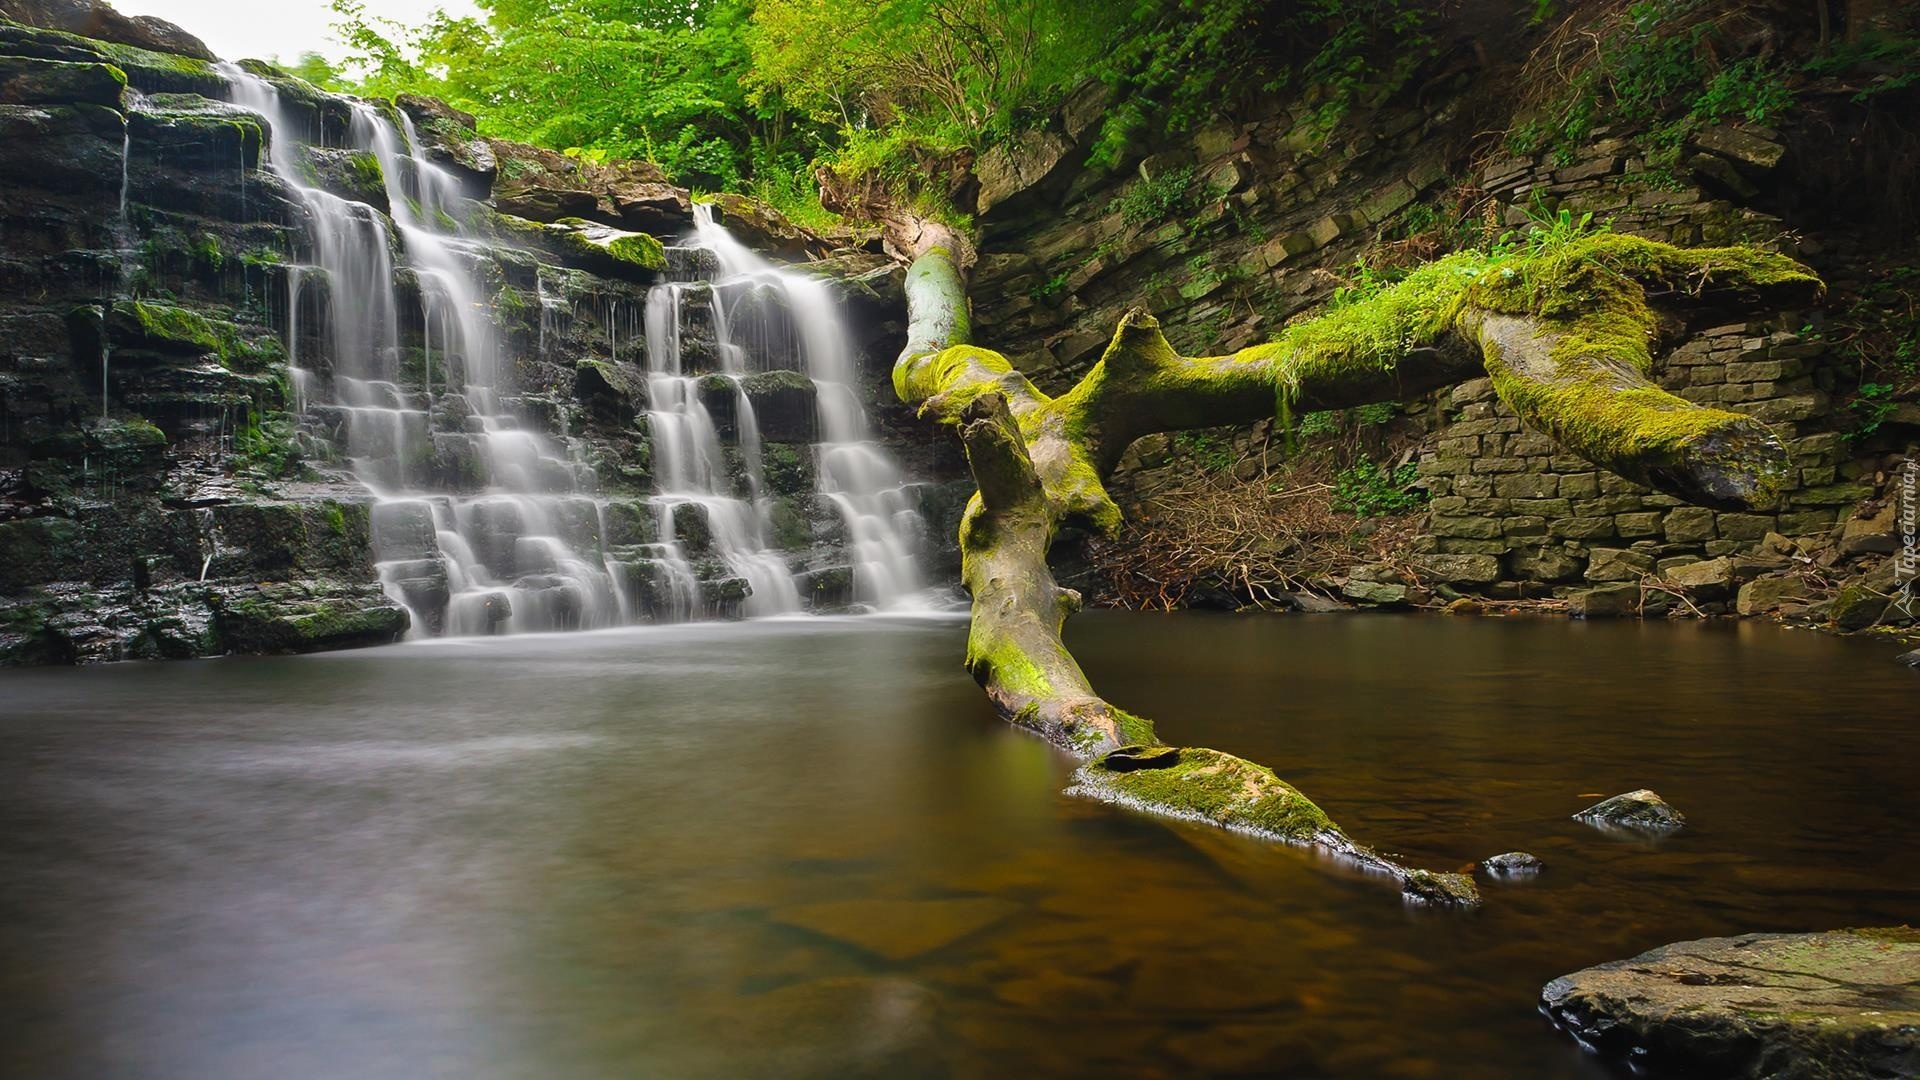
[807, 848]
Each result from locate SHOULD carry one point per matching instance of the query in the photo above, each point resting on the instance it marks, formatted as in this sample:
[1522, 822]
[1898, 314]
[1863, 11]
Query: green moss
[1219, 788]
[168, 324]
[640, 250]
[1373, 334]
[364, 170]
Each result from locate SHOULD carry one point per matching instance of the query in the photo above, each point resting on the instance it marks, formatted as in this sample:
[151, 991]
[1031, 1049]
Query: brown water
[808, 849]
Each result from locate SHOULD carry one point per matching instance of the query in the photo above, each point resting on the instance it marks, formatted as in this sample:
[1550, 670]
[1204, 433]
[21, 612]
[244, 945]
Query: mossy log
[1566, 332]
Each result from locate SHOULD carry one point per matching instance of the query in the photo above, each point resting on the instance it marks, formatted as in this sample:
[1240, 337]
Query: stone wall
[1512, 516]
[1275, 214]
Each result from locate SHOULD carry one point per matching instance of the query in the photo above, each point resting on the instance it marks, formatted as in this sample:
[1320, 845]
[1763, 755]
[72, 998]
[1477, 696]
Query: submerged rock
[1642, 809]
[1446, 890]
[897, 929]
[1513, 864]
[1838, 1004]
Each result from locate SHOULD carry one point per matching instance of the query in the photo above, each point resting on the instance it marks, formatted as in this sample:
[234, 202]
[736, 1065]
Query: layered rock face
[1261, 216]
[183, 471]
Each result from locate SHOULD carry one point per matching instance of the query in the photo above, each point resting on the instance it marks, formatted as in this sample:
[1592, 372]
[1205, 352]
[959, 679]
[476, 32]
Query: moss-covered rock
[306, 616]
[147, 69]
[1787, 1006]
[29, 81]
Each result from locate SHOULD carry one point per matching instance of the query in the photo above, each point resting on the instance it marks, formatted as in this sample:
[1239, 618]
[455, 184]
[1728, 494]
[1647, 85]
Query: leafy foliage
[1667, 65]
[753, 95]
[1367, 490]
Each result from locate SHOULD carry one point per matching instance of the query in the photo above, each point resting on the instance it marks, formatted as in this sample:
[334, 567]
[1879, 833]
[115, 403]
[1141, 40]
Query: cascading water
[508, 557]
[884, 533]
[508, 536]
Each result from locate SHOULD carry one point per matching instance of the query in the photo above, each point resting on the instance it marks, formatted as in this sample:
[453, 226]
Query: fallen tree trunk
[1566, 335]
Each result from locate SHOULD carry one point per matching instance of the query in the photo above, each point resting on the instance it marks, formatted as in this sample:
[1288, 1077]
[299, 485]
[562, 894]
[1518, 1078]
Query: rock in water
[1784, 1006]
[1911, 659]
[1513, 864]
[1642, 810]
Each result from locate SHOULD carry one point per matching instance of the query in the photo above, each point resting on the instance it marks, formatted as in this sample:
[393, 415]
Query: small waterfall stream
[529, 550]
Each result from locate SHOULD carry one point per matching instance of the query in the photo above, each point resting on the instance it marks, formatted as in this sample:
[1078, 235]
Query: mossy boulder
[307, 616]
[29, 81]
[1857, 607]
[148, 69]
[350, 174]
[98, 20]
[449, 139]
[1782, 1006]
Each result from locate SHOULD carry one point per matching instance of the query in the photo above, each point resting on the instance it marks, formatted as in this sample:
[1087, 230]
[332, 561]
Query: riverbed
[806, 847]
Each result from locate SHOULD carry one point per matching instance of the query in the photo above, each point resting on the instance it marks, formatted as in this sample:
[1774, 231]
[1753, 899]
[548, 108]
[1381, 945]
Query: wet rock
[404, 529]
[1767, 592]
[70, 149]
[1706, 580]
[765, 229]
[1606, 602]
[1857, 607]
[98, 19]
[1642, 810]
[1465, 605]
[826, 589]
[450, 140]
[1513, 864]
[1442, 890]
[1911, 659]
[657, 208]
[1790, 1006]
[607, 391]
[1312, 603]
[546, 204]
[897, 930]
[306, 616]
[783, 405]
[28, 81]
[1374, 592]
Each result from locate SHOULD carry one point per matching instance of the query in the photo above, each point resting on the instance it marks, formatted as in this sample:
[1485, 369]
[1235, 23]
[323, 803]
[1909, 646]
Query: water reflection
[807, 848]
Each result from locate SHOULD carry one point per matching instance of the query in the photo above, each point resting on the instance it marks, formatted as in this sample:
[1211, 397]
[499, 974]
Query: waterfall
[884, 532]
[481, 524]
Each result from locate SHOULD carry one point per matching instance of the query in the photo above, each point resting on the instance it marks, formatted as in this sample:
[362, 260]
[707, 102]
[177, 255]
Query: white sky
[238, 29]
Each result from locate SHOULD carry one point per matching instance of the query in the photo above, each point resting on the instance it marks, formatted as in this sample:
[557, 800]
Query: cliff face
[1262, 216]
[169, 484]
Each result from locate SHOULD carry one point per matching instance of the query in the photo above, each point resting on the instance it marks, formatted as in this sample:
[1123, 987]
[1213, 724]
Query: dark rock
[1606, 602]
[1513, 864]
[783, 405]
[1785, 1006]
[27, 81]
[98, 19]
[307, 616]
[1440, 890]
[1911, 659]
[1643, 810]
[1857, 607]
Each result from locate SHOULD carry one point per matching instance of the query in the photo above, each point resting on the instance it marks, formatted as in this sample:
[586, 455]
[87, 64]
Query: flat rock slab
[897, 929]
[1781, 1006]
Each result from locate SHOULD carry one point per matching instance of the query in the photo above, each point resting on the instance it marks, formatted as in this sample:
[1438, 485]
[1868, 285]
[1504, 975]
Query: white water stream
[529, 551]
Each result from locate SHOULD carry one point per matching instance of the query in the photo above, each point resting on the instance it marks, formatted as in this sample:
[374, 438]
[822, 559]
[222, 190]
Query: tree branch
[1565, 334]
